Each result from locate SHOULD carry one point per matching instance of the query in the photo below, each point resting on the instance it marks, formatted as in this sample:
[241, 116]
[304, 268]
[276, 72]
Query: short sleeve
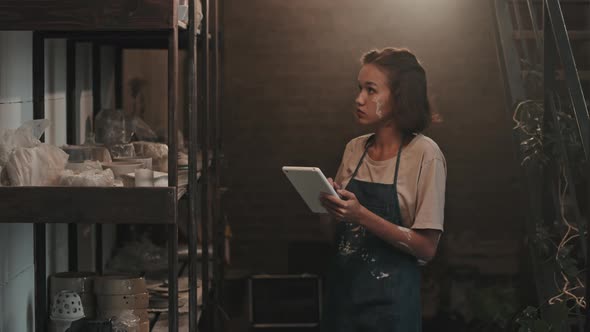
[430, 200]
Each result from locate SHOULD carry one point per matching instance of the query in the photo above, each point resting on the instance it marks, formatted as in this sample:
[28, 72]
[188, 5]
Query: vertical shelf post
[193, 179]
[39, 240]
[205, 121]
[172, 176]
[71, 139]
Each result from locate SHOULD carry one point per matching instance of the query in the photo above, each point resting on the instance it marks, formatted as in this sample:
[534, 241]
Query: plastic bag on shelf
[183, 13]
[87, 165]
[125, 321]
[89, 178]
[157, 151]
[36, 127]
[36, 166]
[139, 130]
[110, 127]
[122, 150]
[140, 255]
[26, 136]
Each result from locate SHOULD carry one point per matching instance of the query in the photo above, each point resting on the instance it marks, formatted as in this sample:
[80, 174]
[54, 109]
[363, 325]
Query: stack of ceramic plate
[82, 283]
[146, 162]
[119, 294]
[159, 294]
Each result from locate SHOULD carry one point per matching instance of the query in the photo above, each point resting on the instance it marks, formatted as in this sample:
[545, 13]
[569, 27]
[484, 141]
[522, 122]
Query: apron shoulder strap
[397, 162]
[367, 145]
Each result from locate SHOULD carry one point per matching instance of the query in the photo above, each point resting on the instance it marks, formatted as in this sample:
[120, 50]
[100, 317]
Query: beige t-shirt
[420, 184]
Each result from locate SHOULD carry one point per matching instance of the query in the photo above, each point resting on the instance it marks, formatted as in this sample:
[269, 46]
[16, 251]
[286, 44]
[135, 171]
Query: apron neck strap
[370, 142]
[397, 161]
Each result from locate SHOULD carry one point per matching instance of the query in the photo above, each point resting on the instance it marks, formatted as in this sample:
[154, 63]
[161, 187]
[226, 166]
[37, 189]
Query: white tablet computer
[309, 182]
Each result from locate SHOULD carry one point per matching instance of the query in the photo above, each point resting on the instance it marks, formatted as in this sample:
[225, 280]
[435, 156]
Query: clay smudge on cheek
[379, 109]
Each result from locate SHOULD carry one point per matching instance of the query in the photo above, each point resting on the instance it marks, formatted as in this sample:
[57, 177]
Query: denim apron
[372, 286]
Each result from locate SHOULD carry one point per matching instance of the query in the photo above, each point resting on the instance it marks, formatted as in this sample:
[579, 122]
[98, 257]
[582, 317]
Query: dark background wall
[289, 83]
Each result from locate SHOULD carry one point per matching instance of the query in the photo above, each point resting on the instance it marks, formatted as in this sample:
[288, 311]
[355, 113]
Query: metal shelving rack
[123, 24]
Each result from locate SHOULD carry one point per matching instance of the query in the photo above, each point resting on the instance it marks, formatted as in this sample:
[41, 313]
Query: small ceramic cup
[144, 177]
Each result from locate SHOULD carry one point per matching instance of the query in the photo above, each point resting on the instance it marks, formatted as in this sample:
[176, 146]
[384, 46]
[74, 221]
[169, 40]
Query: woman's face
[373, 103]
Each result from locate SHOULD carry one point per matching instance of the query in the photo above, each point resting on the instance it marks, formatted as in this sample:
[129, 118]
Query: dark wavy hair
[407, 82]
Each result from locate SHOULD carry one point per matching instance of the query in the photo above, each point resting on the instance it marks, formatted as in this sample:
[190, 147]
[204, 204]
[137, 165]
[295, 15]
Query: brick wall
[289, 83]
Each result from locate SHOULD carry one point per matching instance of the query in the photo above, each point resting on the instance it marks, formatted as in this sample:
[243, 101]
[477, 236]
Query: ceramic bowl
[120, 168]
[79, 282]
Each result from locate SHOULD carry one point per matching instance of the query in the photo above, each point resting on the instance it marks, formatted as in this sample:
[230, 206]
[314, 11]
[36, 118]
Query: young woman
[389, 217]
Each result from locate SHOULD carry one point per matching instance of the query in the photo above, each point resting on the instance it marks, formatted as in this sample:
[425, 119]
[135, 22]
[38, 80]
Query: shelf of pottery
[128, 302]
[122, 173]
[112, 160]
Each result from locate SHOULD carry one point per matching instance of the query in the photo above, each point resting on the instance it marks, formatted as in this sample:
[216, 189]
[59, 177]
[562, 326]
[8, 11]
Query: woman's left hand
[347, 208]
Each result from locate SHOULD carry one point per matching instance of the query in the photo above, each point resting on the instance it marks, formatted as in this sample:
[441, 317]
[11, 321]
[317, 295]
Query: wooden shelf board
[84, 205]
